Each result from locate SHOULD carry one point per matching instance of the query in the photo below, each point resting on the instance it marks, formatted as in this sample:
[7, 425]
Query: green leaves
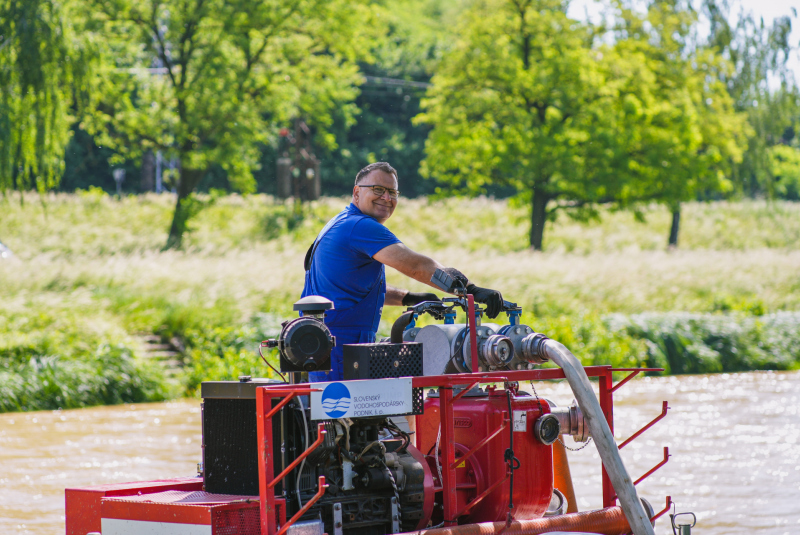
[46, 58]
[211, 81]
[526, 98]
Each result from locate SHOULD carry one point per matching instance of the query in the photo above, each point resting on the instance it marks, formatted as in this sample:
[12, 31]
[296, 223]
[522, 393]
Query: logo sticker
[336, 400]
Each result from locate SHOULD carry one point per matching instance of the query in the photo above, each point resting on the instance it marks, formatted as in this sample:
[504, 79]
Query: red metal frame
[445, 383]
[266, 470]
[664, 409]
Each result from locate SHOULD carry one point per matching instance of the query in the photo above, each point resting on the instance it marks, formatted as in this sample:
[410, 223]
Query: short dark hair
[377, 166]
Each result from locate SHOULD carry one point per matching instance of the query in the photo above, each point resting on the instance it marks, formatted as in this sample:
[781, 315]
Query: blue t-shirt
[343, 269]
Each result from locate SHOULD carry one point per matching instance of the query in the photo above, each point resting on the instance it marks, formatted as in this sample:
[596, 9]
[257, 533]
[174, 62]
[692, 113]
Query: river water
[734, 441]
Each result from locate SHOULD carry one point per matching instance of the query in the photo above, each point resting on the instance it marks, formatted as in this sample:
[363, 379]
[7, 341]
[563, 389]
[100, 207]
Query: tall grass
[88, 274]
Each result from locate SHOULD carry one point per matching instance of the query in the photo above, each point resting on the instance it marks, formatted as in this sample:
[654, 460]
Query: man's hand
[414, 298]
[491, 298]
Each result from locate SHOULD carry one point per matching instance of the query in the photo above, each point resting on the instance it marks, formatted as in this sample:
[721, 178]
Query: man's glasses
[380, 190]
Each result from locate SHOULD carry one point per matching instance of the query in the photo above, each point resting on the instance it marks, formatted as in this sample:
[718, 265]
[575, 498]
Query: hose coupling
[533, 349]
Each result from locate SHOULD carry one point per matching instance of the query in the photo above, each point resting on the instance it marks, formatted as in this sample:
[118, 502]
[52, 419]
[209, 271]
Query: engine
[376, 477]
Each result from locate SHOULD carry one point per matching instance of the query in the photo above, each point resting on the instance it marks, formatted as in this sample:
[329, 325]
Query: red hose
[608, 521]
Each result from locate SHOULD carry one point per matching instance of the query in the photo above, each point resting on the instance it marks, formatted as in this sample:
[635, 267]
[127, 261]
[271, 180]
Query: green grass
[88, 274]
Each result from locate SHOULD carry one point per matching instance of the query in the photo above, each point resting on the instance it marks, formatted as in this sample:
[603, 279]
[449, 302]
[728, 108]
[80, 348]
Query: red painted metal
[183, 507]
[83, 504]
[472, 322]
[607, 406]
[320, 437]
[483, 441]
[482, 495]
[656, 467]
[664, 409]
[533, 483]
[266, 466]
[664, 510]
[481, 445]
[447, 426]
[306, 507]
[466, 390]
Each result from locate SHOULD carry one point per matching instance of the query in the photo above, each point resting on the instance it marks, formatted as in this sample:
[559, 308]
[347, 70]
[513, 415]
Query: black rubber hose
[400, 325]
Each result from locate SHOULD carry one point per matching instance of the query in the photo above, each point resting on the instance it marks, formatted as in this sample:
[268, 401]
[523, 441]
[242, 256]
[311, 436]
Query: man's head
[381, 206]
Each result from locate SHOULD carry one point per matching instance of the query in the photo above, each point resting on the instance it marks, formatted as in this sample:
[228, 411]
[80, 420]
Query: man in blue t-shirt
[346, 265]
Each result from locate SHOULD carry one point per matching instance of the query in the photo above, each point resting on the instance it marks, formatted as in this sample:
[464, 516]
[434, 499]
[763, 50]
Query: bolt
[338, 525]
[355, 365]
[397, 364]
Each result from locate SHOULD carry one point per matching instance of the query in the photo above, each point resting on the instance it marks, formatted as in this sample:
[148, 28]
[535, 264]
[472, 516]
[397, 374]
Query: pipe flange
[496, 351]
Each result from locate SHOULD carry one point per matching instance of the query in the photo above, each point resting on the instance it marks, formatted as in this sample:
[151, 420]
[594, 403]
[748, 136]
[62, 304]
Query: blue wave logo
[336, 400]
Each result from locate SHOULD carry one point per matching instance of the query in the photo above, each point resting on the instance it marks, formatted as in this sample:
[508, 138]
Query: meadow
[88, 279]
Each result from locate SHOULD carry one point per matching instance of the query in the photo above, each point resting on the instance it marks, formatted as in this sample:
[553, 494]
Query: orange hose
[608, 521]
[562, 477]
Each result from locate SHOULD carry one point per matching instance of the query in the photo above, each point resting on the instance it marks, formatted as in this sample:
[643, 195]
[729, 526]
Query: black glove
[414, 298]
[491, 298]
[457, 276]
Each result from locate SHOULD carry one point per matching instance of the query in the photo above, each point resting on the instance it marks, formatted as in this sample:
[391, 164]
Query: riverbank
[88, 280]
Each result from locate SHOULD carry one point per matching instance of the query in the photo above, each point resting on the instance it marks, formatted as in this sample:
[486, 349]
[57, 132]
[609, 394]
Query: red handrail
[656, 467]
[306, 507]
[664, 510]
[320, 437]
[664, 409]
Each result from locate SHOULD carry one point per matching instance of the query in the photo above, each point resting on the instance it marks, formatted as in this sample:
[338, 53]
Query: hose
[637, 517]
[609, 521]
[400, 325]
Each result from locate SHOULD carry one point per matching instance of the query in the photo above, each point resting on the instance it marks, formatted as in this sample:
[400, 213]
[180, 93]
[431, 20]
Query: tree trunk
[673, 231]
[538, 219]
[189, 178]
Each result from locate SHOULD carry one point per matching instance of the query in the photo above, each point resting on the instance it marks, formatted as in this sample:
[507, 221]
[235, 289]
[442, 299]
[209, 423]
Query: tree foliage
[531, 98]
[762, 86]
[208, 81]
[46, 60]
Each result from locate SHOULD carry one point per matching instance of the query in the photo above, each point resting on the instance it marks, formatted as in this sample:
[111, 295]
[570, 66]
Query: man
[346, 265]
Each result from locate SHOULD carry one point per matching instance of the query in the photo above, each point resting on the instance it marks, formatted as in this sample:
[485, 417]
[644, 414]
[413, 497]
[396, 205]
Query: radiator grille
[244, 521]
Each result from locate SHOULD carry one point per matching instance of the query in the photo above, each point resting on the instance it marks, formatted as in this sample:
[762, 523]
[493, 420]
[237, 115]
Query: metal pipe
[634, 511]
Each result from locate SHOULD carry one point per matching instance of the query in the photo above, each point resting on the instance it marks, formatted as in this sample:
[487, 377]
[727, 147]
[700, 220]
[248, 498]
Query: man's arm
[394, 296]
[412, 264]
[420, 267]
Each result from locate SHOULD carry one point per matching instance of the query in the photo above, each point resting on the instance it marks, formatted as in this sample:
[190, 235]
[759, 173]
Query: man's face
[381, 208]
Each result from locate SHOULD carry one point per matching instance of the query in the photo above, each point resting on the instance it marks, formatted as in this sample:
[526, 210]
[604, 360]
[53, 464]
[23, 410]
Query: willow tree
[207, 81]
[44, 74]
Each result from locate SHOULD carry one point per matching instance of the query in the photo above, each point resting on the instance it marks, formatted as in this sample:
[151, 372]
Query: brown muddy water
[734, 440]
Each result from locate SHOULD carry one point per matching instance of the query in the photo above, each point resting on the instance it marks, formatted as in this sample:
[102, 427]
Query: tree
[692, 135]
[527, 98]
[522, 99]
[207, 81]
[762, 86]
[46, 60]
